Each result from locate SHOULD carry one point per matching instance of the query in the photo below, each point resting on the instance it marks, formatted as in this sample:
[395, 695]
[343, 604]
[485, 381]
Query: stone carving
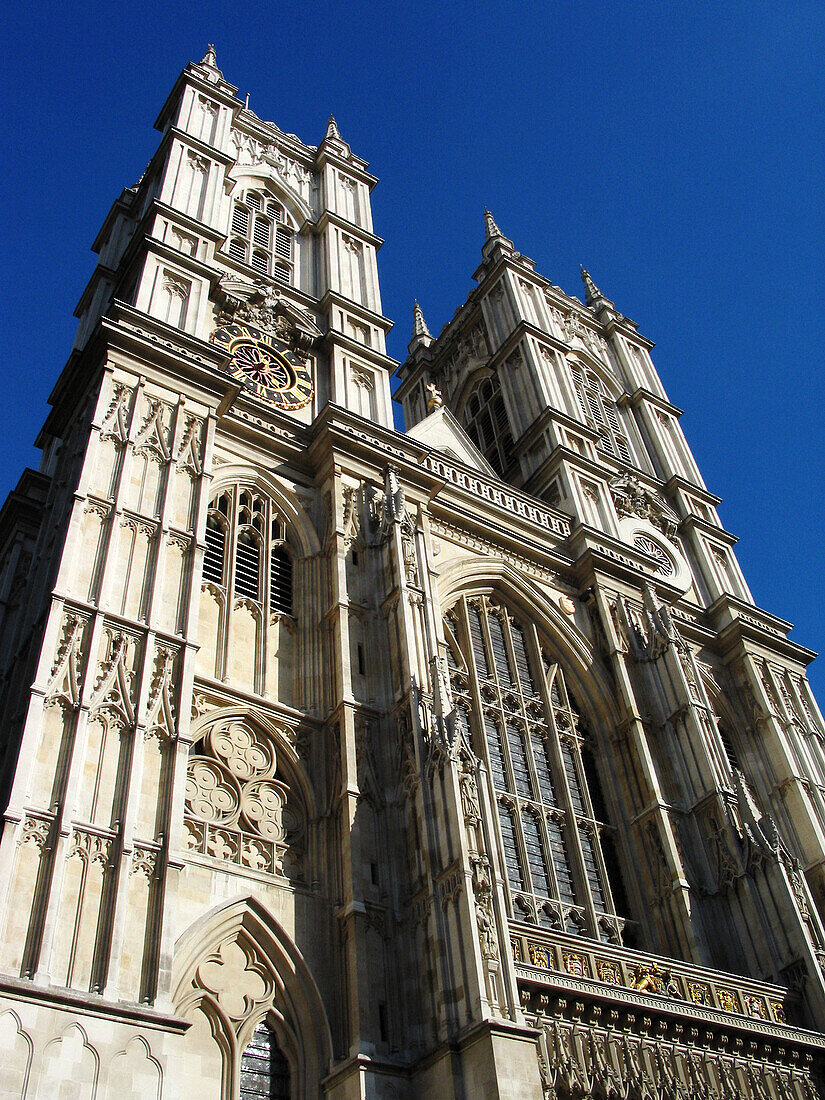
[38, 830]
[64, 682]
[152, 436]
[485, 917]
[113, 690]
[263, 306]
[237, 807]
[91, 847]
[631, 498]
[160, 713]
[236, 979]
[540, 955]
[115, 422]
[250, 151]
[145, 862]
[188, 456]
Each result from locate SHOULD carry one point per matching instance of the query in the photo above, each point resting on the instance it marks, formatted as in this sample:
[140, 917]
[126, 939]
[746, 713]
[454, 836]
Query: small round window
[647, 545]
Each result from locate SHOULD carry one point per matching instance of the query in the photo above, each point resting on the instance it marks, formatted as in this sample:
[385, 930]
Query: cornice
[332, 297]
[641, 396]
[329, 217]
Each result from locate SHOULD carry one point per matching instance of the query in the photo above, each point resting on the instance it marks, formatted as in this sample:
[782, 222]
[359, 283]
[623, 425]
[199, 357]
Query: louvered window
[262, 231]
[512, 860]
[240, 220]
[280, 580]
[518, 758]
[727, 745]
[261, 565]
[533, 743]
[264, 1069]
[247, 565]
[601, 413]
[487, 424]
[253, 240]
[215, 549]
[498, 767]
[283, 243]
[535, 854]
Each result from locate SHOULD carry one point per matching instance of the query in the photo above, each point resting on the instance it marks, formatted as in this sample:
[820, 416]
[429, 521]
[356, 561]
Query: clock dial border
[297, 394]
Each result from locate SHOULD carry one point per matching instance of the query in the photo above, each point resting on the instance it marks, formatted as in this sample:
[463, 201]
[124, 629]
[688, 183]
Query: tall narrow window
[487, 424]
[530, 730]
[264, 1069]
[600, 412]
[512, 859]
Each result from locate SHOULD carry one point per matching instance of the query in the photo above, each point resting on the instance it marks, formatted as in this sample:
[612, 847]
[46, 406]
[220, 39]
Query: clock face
[268, 367]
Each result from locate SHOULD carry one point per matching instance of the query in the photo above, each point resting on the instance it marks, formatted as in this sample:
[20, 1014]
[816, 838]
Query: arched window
[246, 546]
[264, 1069]
[540, 769]
[486, 423]
[600, 412]
[260, 235]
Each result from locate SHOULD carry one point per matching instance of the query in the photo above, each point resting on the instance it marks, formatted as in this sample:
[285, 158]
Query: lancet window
[486, 423]
[264, 1069]
[601, 413]
[530, 730]
[260, 235]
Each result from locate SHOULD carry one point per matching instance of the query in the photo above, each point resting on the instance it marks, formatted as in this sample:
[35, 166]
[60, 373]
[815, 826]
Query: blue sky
[676, 150]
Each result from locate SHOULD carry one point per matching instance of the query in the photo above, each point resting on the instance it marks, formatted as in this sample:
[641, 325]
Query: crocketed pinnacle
[490, 228]
[419, 324]
[591, 291]
[332, 129]
[209, 57]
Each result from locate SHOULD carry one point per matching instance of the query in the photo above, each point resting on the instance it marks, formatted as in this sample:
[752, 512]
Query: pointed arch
[264, 177]
[300, 525]
[581, 660]
[270, 980]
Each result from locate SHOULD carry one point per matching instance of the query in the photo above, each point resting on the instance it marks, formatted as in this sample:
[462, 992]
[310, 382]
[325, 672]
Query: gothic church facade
[345, 762]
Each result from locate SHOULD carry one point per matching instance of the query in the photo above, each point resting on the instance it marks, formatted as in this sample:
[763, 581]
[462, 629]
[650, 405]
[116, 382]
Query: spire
[593, 297]
[209, 58]
[490, 228]
[332, 129]
[421, 336]
[419, 324]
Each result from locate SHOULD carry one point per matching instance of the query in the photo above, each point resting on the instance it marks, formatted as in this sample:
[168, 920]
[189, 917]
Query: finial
[434, 398]
[591, 291]
[209, 57]
[490, 227]
[419, 324]
[332, 129]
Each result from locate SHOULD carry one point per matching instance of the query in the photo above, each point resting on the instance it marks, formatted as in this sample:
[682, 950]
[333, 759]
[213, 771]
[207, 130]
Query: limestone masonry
[344, 762]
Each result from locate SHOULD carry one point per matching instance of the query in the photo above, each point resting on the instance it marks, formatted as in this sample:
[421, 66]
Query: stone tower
[347, 762]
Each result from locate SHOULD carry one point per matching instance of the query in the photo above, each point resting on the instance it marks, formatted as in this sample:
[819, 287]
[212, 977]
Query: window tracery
[486, 423]
[246, 550]
[520, 707]
[239, 805]
[261, 236]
